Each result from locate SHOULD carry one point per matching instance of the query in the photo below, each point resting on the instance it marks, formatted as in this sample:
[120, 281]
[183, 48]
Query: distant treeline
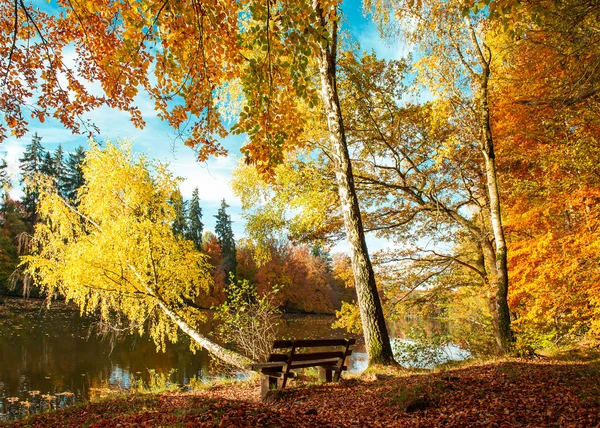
[308, 278]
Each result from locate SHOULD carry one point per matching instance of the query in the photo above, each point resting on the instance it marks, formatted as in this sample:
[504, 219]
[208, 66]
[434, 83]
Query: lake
[51, 359]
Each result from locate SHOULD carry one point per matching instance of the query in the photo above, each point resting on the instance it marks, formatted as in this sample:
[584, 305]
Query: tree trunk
[377, 341]
[214, 349]
[500, 311]
[500, 314]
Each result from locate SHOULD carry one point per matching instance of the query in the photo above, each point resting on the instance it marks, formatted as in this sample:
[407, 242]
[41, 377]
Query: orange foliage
[216, 293]
[306, 282]
[548, 145]
[189, 58]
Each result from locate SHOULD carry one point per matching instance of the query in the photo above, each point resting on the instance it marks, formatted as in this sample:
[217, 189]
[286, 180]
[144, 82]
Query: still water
[52, 358]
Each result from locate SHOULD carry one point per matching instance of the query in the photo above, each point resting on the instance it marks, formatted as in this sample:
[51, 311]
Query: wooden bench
[288, 355]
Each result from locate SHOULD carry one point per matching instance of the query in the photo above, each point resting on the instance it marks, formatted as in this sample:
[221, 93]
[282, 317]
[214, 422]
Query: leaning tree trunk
[230, 357]
[499, 304]
[377, 341]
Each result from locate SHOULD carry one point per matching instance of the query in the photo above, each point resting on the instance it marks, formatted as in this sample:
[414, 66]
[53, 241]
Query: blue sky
[158, 141]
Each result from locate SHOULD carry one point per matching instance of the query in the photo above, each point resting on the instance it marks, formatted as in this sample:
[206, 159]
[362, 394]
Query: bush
[248, 321]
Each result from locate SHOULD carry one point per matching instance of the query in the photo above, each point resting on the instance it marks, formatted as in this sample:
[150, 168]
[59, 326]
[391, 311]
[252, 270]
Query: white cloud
[212, 183]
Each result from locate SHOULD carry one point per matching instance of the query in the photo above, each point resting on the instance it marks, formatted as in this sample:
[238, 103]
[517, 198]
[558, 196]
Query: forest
[474, 156]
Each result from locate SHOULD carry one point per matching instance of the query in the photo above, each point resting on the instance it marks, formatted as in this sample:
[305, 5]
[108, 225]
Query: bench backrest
[298, 351]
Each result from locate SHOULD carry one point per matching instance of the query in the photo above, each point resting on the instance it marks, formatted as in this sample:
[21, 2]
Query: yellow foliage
[115, 252]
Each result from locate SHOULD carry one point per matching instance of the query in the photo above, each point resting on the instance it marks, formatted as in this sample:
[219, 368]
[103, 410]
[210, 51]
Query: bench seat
[289, 355]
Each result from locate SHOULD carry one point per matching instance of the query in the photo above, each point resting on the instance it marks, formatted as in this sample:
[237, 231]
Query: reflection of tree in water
[50, 351]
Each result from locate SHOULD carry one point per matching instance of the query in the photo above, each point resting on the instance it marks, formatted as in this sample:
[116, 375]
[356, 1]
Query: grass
[571, 353]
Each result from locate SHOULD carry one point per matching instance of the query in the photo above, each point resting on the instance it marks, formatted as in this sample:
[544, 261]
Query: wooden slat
[309, 343]
[259, 366]
[317, 356]
[278, 357]
[314, 363]
[278, 344]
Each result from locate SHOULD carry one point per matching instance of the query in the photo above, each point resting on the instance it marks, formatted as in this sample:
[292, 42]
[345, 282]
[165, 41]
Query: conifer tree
[59, 169]
[30, 164]
[194, 221]
[4, 175]
[47, 167]
[226, 239]
[73, 178]
[180, 220]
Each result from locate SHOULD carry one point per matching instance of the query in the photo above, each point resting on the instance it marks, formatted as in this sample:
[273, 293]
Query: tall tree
[180, 221]
[74, 173]
[194, 221]
[455, 65]
[4, 176]
[53, 166]
[30, 164]
[116, 254]
[373, 322]
[226, 240]
[47, 167]
[263, 48]
[58, 164]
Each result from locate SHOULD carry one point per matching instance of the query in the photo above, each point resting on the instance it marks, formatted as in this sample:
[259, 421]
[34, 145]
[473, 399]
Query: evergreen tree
[59, 169]
[226, 240]
[180, 221]
[30, 164]
[53, 166]
[47, 167]
[4, 176]
[73, 177]
[194, 221]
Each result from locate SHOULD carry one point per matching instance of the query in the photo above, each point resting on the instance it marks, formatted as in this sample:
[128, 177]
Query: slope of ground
[538, 393]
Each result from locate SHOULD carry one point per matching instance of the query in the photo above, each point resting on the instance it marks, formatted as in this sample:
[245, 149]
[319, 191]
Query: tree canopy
[116, 253]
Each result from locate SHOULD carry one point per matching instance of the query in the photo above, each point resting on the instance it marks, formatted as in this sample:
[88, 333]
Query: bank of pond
[52, 357]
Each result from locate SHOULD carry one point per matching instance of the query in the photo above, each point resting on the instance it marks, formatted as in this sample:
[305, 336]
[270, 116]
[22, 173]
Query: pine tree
[47, 165]
[59, 169]
[53, 166]
[194, 221]
[4, 176]
[226, 240]
[180, 221]
[30, 164]
[73, 178]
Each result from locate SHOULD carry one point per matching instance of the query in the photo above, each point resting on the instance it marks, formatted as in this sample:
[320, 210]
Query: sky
[157, 139]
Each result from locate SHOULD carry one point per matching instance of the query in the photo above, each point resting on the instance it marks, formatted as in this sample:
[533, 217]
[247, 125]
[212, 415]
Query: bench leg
[267, 383]
[325, 374]
[336, 375]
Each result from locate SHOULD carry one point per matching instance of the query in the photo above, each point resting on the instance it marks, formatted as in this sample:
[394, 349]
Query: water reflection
[48, 361]
[45, 354]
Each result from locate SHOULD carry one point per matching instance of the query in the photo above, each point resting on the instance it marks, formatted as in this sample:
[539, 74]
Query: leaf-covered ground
[538, 393]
